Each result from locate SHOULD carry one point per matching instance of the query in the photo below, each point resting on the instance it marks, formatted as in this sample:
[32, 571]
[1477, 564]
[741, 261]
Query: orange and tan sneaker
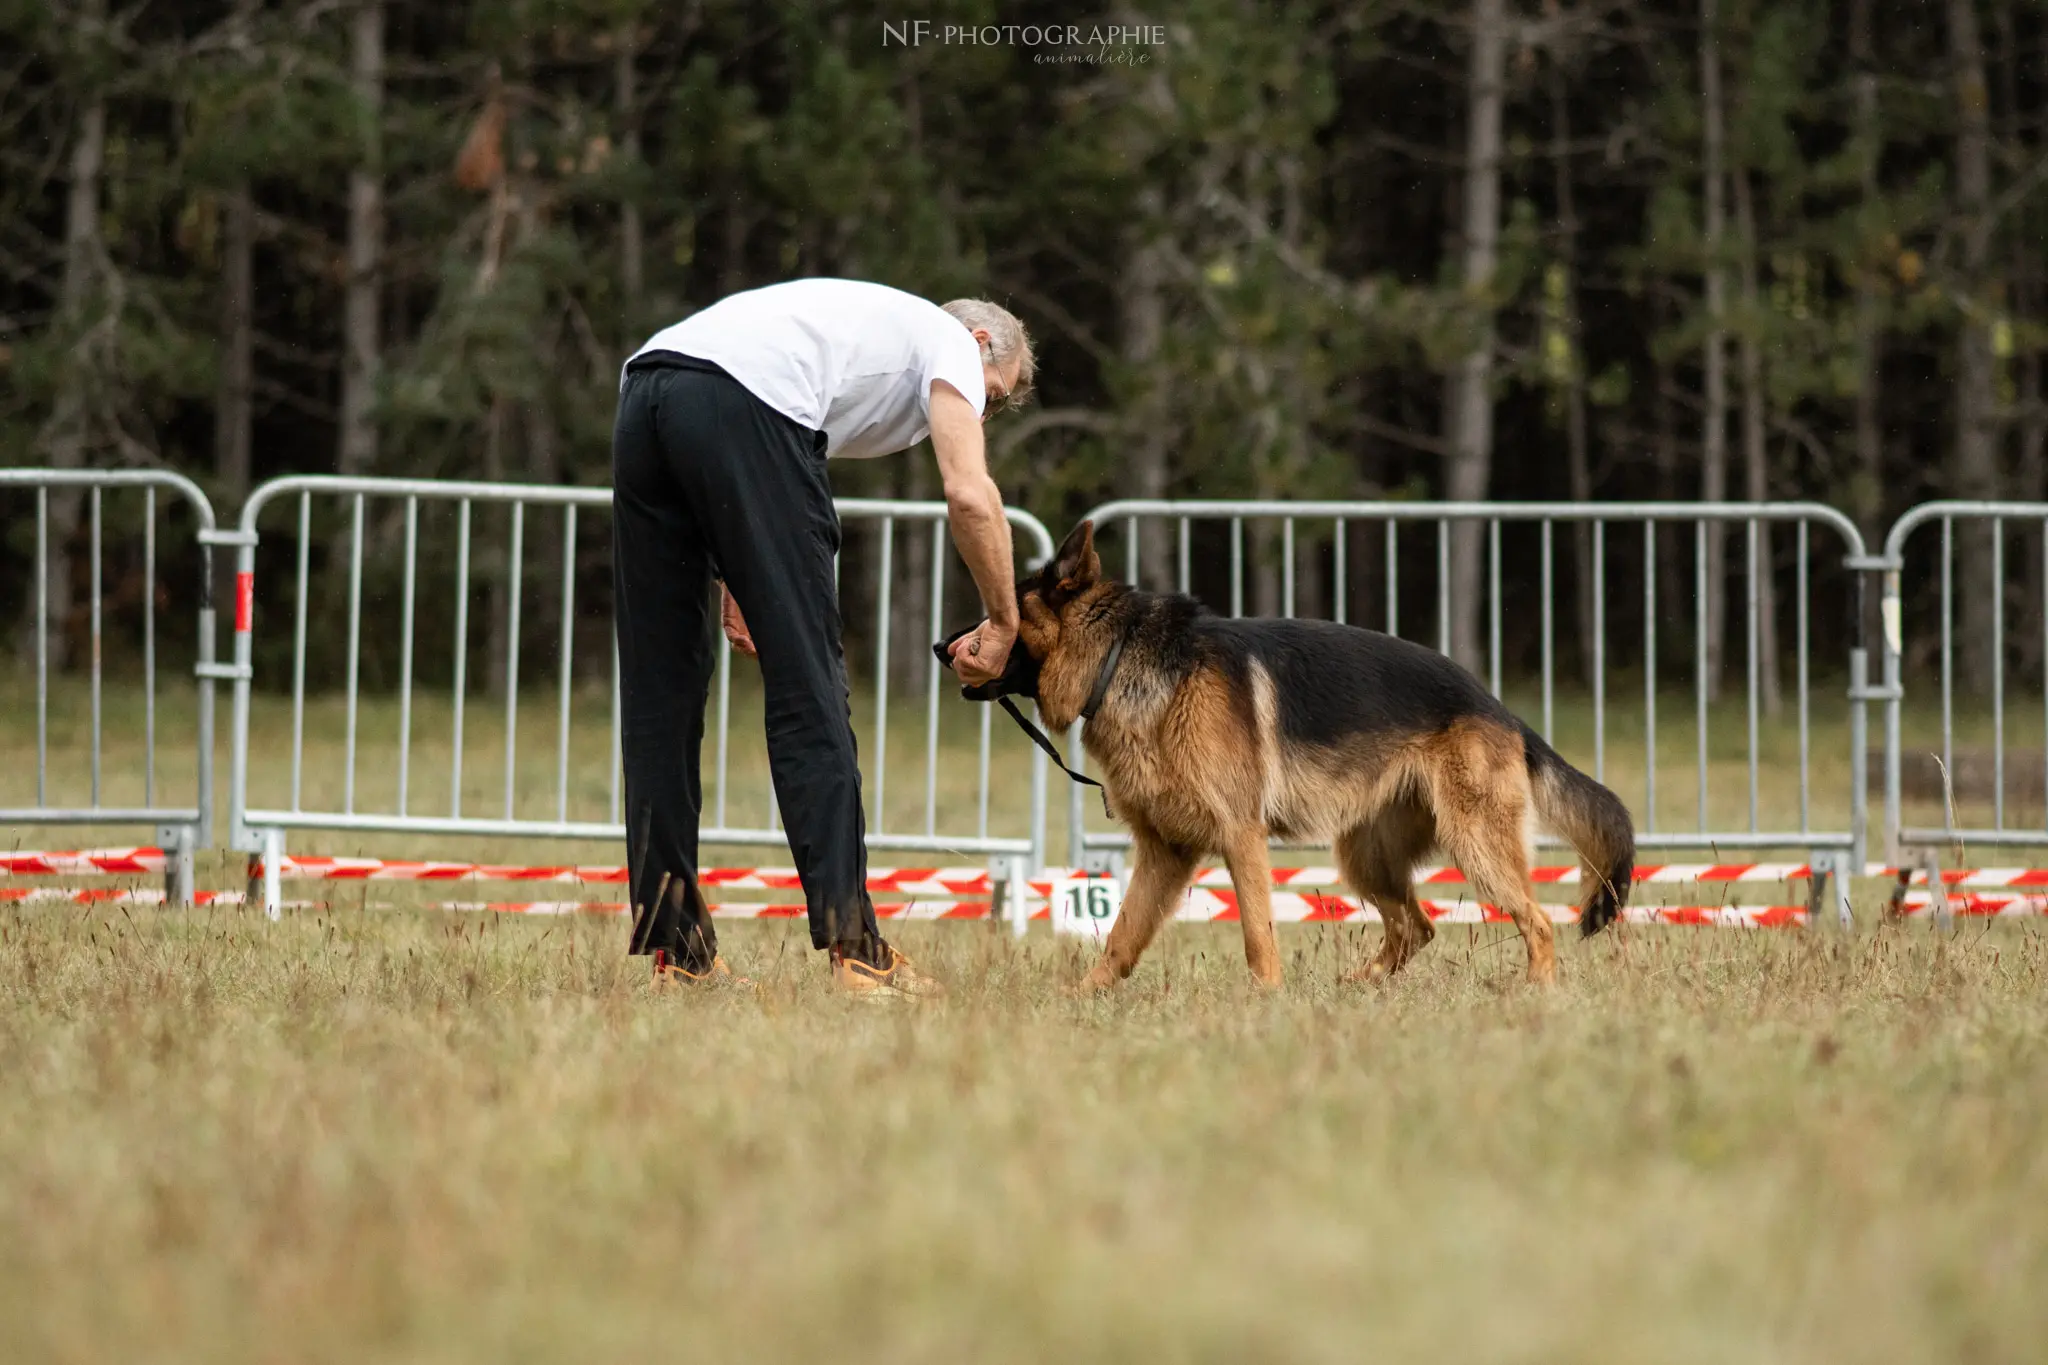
[900, 980]
[667, 973]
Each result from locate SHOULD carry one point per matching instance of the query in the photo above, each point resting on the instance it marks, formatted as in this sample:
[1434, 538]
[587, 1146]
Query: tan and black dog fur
[1216, 735]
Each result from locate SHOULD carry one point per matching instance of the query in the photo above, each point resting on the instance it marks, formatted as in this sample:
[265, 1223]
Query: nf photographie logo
[1100, 44]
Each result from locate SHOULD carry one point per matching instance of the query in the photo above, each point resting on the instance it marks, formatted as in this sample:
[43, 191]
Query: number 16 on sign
[1085, 906]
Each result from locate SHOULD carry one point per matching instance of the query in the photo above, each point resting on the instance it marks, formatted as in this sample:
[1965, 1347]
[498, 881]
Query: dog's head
[1044, 602]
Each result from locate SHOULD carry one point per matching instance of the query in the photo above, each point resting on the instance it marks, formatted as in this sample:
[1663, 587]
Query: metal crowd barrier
[1834, 849]
[1905, 843]
[263, 829]
[181, 829]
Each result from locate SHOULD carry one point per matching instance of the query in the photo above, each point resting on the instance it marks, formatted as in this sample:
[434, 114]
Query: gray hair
[1007, 339]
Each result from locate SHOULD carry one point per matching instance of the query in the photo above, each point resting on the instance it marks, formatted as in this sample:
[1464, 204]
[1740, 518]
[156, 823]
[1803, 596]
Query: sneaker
[667, 973]
[900, 980]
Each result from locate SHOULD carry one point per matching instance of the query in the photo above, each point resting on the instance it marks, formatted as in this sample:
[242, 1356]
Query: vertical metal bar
[981, 767]
[303, 551]
[931, 702]
[1701, 587]
[95, 499]
[1183, 556]
[41, 645]
[1393, 578]
[882, 674]
[149, 646]
[1237, 566]
[618, 753]
[1287, 567]
[724, 720]
[1754, 612]
[355, 625]
[1948, 710]
[1805, 726]
[461, 655]
[515, 585]
[568, 662]
[1649, 675]
[1130, 556]
[411, 575]
[1600, 651]
[1998, 672]
[1443, 585]
[1493, 598]
[1077, 761]
[1549, 675]
[1341, 589]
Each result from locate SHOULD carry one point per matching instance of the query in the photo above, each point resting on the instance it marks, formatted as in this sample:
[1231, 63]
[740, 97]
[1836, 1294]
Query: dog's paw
[1096, 982]
[1371, 974]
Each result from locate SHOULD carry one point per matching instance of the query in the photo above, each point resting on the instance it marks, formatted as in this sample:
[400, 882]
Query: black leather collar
[1103, 679]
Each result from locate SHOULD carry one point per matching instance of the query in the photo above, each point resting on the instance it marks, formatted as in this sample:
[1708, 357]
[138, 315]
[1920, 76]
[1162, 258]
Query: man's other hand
[734, 623]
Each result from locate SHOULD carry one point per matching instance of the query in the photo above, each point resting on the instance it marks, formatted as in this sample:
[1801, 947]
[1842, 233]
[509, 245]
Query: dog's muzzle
[1020, 675]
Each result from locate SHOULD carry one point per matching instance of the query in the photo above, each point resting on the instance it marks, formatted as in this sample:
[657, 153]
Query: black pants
[707, 482]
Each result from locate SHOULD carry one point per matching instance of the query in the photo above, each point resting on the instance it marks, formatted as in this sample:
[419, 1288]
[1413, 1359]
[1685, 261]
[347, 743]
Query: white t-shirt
[845, 357]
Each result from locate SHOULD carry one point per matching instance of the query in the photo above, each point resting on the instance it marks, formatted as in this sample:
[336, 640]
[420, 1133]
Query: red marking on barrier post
[245, 602]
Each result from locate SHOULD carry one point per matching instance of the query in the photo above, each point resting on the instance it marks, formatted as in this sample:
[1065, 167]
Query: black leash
[1094, 704]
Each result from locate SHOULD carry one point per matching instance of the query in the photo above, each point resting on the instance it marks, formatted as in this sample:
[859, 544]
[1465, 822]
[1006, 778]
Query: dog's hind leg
[1251, 875]
[1160, 874]
[1378, 859]
[1481, 800]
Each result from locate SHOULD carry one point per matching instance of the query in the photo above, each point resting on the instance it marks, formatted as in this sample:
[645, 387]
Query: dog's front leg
[1160, 875]
[1251, 875]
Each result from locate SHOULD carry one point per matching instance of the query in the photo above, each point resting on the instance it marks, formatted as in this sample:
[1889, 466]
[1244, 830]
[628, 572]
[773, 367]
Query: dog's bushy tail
[1593, 821]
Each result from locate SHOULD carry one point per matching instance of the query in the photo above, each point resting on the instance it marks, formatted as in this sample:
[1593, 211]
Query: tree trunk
[1714, 433]
[1469, 400]
[1578, 457]
[1674, 559]
[2024, 270]
[357, 449]
[1141, 306]
[63, 438]
[234, 402]
[1867, 497]
[632, 242]
[1755, 454]
[1976, 412]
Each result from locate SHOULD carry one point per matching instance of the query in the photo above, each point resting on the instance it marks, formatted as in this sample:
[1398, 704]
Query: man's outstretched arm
[974, 510]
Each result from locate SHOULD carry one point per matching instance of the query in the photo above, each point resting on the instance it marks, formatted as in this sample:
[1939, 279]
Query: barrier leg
[1937, 891]
[1013, 892]
[178, 868]
[273, 859]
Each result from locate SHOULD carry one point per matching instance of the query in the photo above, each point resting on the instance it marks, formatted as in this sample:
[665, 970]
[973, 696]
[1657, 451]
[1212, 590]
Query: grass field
[395, 1135]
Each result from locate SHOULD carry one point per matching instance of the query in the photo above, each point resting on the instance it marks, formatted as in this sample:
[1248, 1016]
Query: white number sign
[1085, 906]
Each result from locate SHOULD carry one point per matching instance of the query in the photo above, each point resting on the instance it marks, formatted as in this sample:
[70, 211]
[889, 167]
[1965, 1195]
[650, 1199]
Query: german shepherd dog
[1213, 736]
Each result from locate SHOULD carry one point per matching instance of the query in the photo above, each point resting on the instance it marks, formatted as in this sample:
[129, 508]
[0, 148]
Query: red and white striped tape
[1210, 908]
[1202, 907]
[922, 881]
[1919, 903]
[105, 895]
[104, 862]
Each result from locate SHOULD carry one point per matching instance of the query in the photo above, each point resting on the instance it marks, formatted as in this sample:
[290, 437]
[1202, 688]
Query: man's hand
[734, 623]
[982, 655]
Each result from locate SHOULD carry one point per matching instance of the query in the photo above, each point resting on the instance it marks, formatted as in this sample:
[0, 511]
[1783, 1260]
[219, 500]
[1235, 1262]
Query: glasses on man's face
[995, 401]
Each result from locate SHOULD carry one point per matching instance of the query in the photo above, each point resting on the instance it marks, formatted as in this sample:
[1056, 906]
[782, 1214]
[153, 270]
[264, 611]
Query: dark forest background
[1507, 249]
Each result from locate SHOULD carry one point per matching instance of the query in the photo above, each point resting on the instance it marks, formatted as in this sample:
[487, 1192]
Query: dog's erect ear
[1077, 566]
